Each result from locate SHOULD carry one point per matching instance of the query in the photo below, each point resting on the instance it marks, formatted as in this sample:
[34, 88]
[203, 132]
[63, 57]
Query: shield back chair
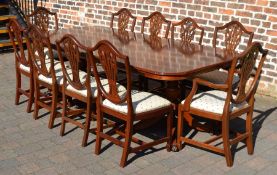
[23, 65]
[234, 34]
[47, 73]
[185, 34]
[42, 18]
[123, 21]
[188, 33]
[225, 103]
[127, 105]
[156, 22]
[77, 85]
[158, 28]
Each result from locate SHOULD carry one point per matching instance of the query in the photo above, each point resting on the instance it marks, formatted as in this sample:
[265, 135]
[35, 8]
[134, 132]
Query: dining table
[156, 58]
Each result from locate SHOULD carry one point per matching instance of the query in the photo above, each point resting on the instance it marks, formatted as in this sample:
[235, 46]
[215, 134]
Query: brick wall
[259, 16]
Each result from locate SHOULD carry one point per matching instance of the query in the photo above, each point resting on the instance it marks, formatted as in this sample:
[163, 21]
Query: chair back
[230, 36]
[16, 37]
[156, 21]
[72, 50]
[109, 57]
[247, 66]
[42, 18]
[40, 49]
[124, 16]
[186, 30]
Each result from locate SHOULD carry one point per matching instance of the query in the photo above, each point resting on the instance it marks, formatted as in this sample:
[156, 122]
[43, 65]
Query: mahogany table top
[155, 58]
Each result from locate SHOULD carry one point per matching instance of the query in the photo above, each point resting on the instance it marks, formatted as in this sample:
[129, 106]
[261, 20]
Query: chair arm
[209, 84]
[196, 82]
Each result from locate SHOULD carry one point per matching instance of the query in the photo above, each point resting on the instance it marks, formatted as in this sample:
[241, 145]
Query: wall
[259, 16]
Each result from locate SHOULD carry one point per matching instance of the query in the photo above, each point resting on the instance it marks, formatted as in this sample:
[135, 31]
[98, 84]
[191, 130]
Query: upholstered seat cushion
[217, 77]
[213, 101]
[93, 84]
[58, 72]
[27, 68]
[24, 68]
[142, 102]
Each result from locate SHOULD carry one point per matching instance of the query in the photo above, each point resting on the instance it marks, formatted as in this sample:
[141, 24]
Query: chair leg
[31, 95]
[226, 143]
[169, 130]
[249, 139]
[53, 108]
[180, 129]
[64, 106]
[87, 125]
[37, 97]
[18, 86]
[126, 148]
[99, 130]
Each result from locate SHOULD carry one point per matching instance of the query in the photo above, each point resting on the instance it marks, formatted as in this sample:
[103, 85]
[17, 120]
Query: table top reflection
[153, 57]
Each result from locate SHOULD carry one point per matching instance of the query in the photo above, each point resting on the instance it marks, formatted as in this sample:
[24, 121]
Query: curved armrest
[198, 81]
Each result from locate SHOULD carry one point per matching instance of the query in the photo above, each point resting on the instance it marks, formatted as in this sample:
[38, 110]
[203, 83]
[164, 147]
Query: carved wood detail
[245, 68]
[15, 33]
[233, 37]
[156, 22]
[71, 50]
[39, 43]
[187, 33]
[123, 20]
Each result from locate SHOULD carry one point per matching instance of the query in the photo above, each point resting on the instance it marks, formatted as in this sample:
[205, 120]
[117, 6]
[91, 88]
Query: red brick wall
[259, 16]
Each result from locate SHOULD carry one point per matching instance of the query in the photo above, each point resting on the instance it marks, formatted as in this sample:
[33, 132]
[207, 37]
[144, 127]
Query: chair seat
[213, 101]
[142, 102]
[93, 85]
[58, 72]
[27, 68]
[24, 68]
[217, 77]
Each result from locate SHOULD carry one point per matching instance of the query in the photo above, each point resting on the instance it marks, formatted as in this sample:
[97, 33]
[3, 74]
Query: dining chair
[23, 64]
[123, 21]
[42, 18]
[77, 84]
[232, 34]
[128, 105]
[47, 73]
[156, 24]
[186, 31]
[223, 104]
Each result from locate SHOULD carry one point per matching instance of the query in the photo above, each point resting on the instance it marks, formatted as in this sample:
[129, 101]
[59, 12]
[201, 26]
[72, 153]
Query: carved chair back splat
[156, 21]
[42, 17]
[124, 16]
[187, 29]
[233, 33]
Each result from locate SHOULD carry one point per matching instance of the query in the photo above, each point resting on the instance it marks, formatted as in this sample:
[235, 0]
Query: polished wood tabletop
[154, 58]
